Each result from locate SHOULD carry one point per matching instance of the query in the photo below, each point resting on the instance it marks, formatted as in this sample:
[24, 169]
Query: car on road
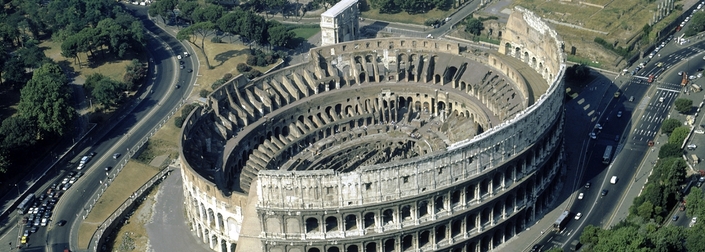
[631, 98]
[603, 193]
[616, 138]
[181, 62]
[66, 187]
[660, 64]
[26, 232]
[190, 70]
[108, 168]
[61, 223]
[178, 56]
[33, 229]
[691, 146]
[116, 155]
[177, 86]
[580, 196]
[79, 174]
[613, 180]
[72, 180]
[680, 73]
[619, 113]
[674, 218]
[66, 180]
[23, 240]
[536, 248]
[592, 135]
[617, 94]
[587, 185]
[598, 126]
[182, 67]
[44, 222]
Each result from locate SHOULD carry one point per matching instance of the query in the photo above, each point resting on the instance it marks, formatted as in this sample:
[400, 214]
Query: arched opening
[350, 222]
[369, 220]
[371, 247]
[406, 213]
[312, 225]
[407, 242]
[333, 249]
[331, 224]
[388, 217]
[314, 250]
[352, 248]
[389, 245]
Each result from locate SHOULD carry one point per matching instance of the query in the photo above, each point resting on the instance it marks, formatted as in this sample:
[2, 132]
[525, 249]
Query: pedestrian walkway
[168, 229]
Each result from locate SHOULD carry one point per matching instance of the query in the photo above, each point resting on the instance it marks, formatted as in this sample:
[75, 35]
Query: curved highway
[165, 89]
[628, 133]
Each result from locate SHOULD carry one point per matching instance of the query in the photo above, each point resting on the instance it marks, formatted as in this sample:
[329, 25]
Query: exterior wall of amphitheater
[245, 190]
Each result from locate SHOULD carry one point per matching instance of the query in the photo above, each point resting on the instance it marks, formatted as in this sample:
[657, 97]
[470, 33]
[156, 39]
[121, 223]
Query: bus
[25, 204]
[561, 221]
[606, 158]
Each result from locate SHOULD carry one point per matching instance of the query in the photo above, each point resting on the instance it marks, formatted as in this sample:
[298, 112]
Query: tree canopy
[683, 105]
[669, 125]
[46, 100]
[474, 26]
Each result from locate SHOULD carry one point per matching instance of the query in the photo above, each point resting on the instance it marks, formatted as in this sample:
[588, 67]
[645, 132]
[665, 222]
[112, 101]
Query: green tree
[279, 35]
[191, 33]
[694, 237]
[163, 8]
[667, 238]
[591, 235]
[134, 73]
[577, 72]
[678, 135]
[18, 134]
[105, 90]
[474, 26]
[669, 125]
[684, 105]
[696, 24]
[46, 100]
[670, 150]
[695, 204]
[187, 9]
[209, 13]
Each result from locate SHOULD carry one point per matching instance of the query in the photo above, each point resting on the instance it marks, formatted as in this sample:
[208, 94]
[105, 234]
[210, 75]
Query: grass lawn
[107, 65]
[303, 34]
[404, 17]
[164, 142]
[224, 58]
[131, 178]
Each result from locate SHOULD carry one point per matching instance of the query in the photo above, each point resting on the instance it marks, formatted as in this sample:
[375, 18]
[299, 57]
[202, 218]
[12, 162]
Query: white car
[578, 215]
[580, 196]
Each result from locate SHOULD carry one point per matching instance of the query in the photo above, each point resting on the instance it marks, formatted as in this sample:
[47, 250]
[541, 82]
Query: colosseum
[378, 145]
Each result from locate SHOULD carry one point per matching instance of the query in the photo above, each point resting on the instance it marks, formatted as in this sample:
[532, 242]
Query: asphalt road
[629, 134]
[158, 98]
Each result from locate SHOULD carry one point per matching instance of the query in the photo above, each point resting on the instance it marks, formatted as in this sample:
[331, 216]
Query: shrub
[229, 76]
[270, 59]
[242, 67]
[217, 84]
[187, 109]
[203, 93]
[178, 121]
[251, 60]
[216, 40]
[261, 61]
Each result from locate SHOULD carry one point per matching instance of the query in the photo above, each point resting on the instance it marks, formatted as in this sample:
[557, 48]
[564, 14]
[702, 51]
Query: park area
[620, 23]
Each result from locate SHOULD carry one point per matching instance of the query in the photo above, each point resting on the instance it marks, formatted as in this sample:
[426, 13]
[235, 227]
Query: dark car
[108, 168]
[587, 185]
[116, 155]
[675, 218]
[603, 193]
[190, 70]
[61, 223]
[71, 174]
[536, 248]
[92, 154]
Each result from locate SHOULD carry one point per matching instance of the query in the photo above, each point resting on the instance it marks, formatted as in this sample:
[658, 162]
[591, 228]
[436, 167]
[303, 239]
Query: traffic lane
[72, 200]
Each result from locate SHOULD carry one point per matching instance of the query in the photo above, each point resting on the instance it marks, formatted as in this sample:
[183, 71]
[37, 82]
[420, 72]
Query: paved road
[168, 230]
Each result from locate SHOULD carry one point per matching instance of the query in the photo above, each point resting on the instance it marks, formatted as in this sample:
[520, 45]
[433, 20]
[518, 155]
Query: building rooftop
[338, 8]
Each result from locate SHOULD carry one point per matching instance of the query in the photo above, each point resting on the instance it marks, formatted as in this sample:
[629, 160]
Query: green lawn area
[404, 17]
[306, 32]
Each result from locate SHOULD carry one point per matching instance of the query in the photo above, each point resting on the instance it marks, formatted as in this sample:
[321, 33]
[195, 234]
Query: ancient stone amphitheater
[391, 144]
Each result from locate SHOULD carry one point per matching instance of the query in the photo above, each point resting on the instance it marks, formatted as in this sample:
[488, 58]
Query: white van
[613, 180]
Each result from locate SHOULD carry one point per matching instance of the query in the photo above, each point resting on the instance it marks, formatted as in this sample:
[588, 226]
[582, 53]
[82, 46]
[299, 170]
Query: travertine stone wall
[388, 144]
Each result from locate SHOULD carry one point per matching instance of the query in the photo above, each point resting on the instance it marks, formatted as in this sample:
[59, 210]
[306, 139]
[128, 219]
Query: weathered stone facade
[340, 23]
[389, 144]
